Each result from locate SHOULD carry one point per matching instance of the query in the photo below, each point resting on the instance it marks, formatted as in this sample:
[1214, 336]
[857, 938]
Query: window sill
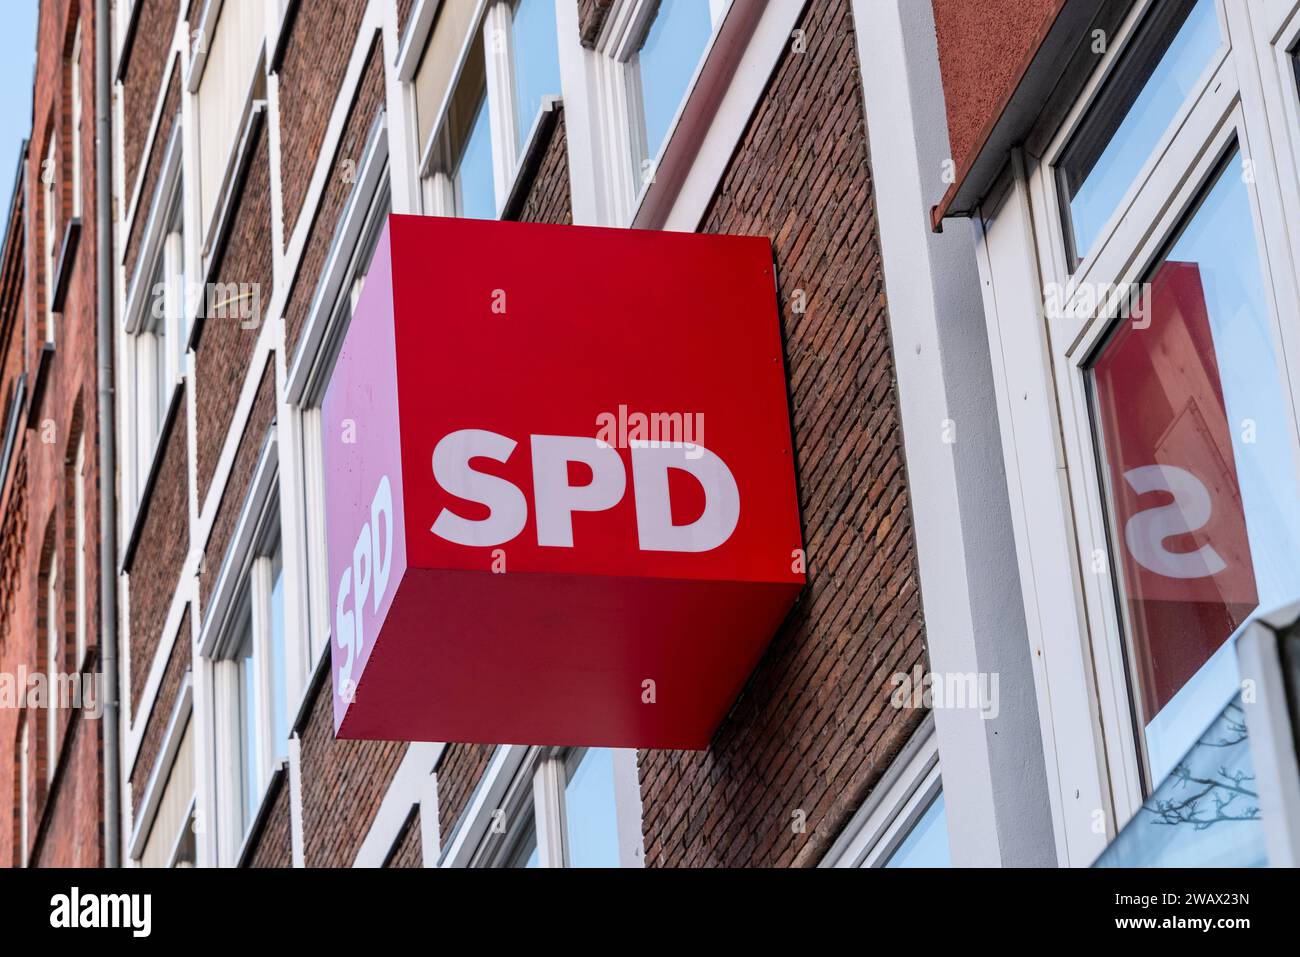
[39, 381]
[66, 261]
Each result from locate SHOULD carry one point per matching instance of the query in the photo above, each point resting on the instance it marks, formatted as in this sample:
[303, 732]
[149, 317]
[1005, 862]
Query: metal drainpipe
[105, 411]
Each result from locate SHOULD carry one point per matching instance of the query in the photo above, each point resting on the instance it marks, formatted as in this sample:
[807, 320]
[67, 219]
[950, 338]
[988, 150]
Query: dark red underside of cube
[561, 659]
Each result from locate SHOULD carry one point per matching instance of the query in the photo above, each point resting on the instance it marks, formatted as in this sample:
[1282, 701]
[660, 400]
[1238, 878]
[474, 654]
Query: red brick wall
[591, 17]
[315, 60]
[156, 564]
[365, 107]
[983, 48]
[65, 823]
[813, 730]
[404, 8]
[408, 851]
[140, 85]
[236, 488]
[226, 342]
[178, 666]
[274, 844]
[343, 784]
[171, 110]
[459, 770]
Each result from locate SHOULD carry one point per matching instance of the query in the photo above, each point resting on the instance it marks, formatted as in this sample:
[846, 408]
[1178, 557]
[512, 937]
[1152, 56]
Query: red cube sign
[560, 485]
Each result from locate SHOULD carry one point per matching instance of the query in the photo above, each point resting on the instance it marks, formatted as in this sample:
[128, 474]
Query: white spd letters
[557, 499]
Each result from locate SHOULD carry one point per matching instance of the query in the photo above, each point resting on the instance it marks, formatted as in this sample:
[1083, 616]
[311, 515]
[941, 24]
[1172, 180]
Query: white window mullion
[79, 557]
[263, 634]
[548, 809]
[500, 95]
[52, 668]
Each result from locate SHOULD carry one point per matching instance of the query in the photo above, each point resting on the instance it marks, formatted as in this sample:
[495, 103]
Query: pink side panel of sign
[364, 502]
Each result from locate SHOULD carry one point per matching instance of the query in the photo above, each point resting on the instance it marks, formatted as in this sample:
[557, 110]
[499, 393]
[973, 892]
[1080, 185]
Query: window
[1202, 485]
[74, 84]
[1161, 366]
[926, 843]
[1169, 55]
[251, 686]
[560, 811]
[171, 840]
[470, 134]
[52, 669]
[534, 52]
[228, 80]
[903, 822]
[49, 202]
[160, 344]
[79, 556]
[664, 66]
[477, 108]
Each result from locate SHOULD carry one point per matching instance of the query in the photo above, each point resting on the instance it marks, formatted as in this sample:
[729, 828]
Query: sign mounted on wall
[559, 485]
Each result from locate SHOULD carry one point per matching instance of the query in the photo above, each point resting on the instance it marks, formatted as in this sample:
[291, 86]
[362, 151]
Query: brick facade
[315, 60]
[813, 730]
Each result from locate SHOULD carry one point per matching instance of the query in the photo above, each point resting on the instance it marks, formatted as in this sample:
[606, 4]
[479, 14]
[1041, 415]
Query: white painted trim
[132, 208]
[133, 730]
[155, 233]
[406, 791]
[477, 816]
[430, 822]
[177, 722]
[974, 623]
[206, 29]
[296, 841]
[1042, 520]
[238, 557]
[340, 262]
[411, 49]
[627, 807]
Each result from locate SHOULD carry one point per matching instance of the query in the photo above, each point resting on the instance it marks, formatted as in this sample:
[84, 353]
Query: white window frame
[535, 796]
[53, 637]
[897, 802]
[49, 195]
[238, 609]
[75, 85]
[161, 258]
[79, 556]
[1090, 728]
[626, 168]
[492, 19]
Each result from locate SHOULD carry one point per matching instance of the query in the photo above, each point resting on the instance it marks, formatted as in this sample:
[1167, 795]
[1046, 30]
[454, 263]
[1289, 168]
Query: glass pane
[475, 190]
[537, 60]
[1198, 450]
[589, 815]
[926, 845]
[1205, 813]
[1133, 112]
[279, 674]
[667, 61]
[247, 743]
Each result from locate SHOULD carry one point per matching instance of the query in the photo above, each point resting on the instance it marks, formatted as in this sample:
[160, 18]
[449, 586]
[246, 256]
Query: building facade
[52, 738]
[1037, 300]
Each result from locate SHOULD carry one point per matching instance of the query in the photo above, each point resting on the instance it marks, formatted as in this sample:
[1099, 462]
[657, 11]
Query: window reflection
[1200, 473]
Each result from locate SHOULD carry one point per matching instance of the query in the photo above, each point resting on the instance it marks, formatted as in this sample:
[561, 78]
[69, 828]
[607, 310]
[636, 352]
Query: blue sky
[17, 57]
